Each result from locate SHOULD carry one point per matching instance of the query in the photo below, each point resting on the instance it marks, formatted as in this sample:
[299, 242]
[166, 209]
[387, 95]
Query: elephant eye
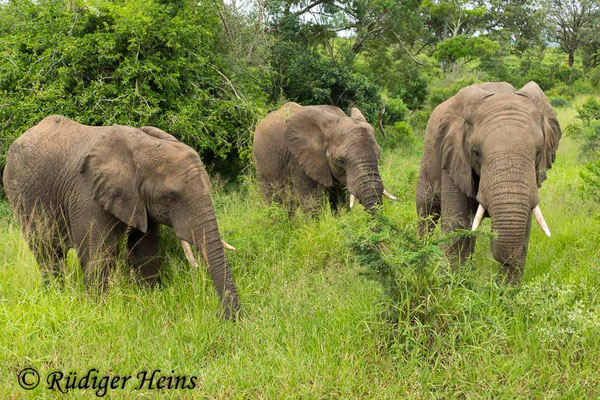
[170, 197]
[340, 161]
[476, 153]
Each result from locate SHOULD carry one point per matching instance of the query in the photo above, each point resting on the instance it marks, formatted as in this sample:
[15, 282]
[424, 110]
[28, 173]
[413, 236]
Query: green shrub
[418, 120]
[133, 63]
[589, 84]
[442, 91]
[559, 101]
[310, 79]
[395, 111]
[593, 78]
[564, 90]
[398, 135]
[591, 180]
[587, 129]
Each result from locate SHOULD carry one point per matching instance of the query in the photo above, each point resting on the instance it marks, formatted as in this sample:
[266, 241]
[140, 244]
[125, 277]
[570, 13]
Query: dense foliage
[132, 62]
[207, 71]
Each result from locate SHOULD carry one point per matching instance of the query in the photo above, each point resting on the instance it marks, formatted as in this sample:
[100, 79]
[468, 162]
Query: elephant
[311, 150]
[486, 153]
[89, 187]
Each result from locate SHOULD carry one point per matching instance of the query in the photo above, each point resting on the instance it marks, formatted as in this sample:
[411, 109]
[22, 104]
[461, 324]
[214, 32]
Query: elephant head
[147, 176]
[496, 148]
[333, 148]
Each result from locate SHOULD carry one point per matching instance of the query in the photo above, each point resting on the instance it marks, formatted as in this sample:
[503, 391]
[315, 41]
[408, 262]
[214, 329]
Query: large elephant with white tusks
[311, 150]
[486, 153]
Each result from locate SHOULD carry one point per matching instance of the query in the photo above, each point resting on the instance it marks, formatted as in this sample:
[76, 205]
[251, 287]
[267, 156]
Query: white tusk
[478, 217]
[188, 253]
[228, 246]
[352, 200]
[537, 212]
[388, 195]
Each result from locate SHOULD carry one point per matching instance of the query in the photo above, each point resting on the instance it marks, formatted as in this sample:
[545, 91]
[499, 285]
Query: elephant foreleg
[429, 204]
[96, 243]
[143, 252]
[458, 211]
[308, 192]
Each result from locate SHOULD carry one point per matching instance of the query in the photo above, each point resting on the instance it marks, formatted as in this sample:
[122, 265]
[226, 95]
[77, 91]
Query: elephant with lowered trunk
[318, 149]
[486, 153]
[86, 187]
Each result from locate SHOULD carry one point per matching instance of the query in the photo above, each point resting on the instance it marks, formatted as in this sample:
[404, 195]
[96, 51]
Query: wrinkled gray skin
[317, 149]
[489, 145]
[84, 187]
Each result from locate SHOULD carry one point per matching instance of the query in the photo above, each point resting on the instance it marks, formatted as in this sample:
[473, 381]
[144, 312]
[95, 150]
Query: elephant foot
[511, 274]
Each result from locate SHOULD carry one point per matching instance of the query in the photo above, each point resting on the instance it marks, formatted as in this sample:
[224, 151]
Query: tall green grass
[316, 317]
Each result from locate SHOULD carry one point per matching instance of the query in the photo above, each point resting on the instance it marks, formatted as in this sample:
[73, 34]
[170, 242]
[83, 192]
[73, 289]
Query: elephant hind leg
[143, 252]
[47, 241]
[429, 205]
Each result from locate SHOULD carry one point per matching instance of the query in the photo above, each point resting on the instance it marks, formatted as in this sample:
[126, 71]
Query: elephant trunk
[511, 220]
[369, 187]
[510, 194]
[206, 239]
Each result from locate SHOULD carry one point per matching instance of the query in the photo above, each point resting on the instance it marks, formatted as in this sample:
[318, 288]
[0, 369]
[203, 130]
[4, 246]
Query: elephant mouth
[537, 213]
[385, 193]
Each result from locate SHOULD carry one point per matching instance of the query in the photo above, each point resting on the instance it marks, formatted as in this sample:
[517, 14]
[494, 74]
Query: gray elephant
[84, 187]
[312, 150]
[487, 150]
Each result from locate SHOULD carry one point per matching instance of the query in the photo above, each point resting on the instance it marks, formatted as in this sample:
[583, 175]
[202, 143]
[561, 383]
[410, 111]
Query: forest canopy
[207, 71]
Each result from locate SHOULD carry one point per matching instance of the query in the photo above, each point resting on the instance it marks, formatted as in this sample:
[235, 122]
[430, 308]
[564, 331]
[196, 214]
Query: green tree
[132, 62]
[465, 48]
[573, 23]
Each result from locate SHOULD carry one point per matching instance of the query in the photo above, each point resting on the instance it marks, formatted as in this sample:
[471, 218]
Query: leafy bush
[559, 101]
[442, 91]
[395, 111]
[418, 120]
[593, 77]
[562, 90]
[591, 180]
[465, 48]
[398, 135]
[309, 78]
[133, 63]
[587, 129]
[407, 82]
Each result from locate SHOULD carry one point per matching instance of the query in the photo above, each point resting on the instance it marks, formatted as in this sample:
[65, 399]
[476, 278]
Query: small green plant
[591, 180]
[587, 129]
[559, 101]
[398, 135]
[395, 111]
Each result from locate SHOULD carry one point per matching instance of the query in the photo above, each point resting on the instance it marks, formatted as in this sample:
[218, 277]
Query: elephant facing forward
[486, 153]
[318, 149]
[86, 187]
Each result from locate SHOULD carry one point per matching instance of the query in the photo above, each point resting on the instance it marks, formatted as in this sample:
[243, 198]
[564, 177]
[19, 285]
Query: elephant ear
[356, 114]
[550, 127]
[110, 169]
[158, 133]
[456, 124]
[305, 136]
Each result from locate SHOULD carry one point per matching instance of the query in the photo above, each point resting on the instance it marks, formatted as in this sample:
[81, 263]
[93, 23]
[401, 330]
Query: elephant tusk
[478, 217]
[228, 246]
[188, 253]
[352, 200]
[388, 195]
[537, 212]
